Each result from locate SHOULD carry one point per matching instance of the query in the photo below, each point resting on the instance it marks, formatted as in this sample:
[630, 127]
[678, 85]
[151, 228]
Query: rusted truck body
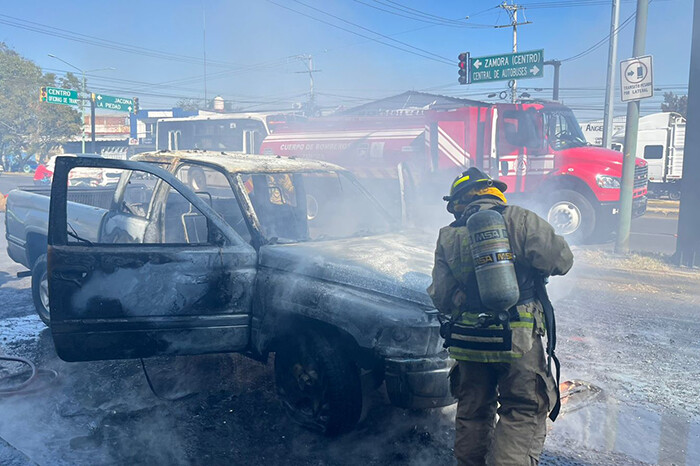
[271, 255]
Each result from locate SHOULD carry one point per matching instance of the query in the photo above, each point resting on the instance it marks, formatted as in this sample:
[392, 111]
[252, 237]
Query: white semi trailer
[660, 142]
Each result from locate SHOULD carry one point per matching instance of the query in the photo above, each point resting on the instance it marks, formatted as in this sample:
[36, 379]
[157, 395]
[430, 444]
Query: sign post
[635, 74]
[507, 66]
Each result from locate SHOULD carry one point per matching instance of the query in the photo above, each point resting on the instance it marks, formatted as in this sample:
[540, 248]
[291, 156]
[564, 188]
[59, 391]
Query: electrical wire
[487, 10]
[374, 32]
[432, 57]
[425, 19]
[602, 41]
[105, 43]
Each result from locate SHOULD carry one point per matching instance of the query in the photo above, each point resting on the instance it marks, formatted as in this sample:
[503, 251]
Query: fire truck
[423, 141]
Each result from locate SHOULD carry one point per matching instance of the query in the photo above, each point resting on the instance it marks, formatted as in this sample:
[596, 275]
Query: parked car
[273, 255]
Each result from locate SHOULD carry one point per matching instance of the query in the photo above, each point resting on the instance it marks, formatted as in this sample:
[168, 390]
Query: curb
[19, 174]
[661, 213]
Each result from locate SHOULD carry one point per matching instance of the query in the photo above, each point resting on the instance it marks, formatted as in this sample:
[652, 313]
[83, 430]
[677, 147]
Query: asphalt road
[631, 334]
[654, 233]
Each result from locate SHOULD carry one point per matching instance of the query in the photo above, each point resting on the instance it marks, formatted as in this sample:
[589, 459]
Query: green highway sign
[119, 104]
[55, 95]
[520, 65]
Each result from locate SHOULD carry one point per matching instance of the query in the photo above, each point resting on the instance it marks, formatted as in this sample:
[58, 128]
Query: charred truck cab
[270, 255]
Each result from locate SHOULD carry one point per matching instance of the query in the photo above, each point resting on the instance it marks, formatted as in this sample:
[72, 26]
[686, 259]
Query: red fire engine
[537, 148]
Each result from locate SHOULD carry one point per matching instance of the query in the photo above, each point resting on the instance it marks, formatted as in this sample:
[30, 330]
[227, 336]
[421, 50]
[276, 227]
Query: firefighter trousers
[521, 392]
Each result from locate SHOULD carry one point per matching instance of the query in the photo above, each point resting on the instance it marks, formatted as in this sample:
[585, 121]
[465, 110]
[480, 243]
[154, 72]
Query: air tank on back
[493, 260]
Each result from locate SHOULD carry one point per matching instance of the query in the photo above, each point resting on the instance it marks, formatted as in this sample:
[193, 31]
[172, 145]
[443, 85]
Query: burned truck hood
[395, 265]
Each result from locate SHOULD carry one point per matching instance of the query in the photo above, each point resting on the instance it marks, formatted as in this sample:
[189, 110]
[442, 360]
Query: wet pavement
[631, 334]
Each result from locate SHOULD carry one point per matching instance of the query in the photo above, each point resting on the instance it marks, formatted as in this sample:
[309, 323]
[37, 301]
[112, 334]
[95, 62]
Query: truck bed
[27, 215]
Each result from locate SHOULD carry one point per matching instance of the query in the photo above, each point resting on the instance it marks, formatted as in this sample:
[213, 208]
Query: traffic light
[42, 94]
[136, 104]
[463, 67]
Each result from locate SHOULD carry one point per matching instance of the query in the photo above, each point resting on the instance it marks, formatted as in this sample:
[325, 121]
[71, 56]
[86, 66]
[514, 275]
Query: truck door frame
[213, 314]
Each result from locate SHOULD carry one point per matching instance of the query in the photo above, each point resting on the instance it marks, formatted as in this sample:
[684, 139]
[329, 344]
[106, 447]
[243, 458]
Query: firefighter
[517, 381]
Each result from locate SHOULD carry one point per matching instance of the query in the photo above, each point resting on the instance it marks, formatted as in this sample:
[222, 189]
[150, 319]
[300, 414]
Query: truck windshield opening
[563, 131]
[313, 206]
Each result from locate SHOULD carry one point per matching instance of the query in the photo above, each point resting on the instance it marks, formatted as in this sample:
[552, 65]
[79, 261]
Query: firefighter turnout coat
[538, 252]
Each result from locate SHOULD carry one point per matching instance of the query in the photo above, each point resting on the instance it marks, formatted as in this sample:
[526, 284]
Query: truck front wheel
[571, 215]
[40, 289]
[319, 386]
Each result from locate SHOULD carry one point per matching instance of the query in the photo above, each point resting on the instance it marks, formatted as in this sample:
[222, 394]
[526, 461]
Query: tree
[26, 124]
[194, 105]
[675, 103]
[191, 105]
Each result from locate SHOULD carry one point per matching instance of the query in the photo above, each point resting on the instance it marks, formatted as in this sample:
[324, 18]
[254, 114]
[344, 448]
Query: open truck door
[161, 277]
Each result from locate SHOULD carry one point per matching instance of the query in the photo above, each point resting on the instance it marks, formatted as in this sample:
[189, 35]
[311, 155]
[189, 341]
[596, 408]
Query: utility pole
[204, 51]
[556, 64]
[609, 114]
[92, 123]
[512, 11]
[310, 70]
[688, 243]
[622, 242]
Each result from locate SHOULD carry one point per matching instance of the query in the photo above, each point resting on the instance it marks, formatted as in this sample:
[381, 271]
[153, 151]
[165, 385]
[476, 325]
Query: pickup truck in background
[270, 255]
[27, 224]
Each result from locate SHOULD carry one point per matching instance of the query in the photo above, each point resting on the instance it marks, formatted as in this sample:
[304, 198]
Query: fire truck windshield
[563, 131]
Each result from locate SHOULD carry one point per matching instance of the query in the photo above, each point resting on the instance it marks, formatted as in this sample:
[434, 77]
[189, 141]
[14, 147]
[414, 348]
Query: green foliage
[26, 124]
[191, 105]
[675, 103]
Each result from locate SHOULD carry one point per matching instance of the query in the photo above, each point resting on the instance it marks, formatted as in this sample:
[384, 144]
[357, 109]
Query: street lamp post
[85, 95]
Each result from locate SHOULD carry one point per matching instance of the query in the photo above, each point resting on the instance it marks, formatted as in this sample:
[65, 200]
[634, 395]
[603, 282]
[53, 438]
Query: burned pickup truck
[270, 255]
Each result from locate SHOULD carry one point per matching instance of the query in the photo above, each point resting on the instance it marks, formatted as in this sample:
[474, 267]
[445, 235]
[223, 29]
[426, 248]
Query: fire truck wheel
[40, 289]
[196, 179]
[571, 215]
[319, 386]
[674, 195]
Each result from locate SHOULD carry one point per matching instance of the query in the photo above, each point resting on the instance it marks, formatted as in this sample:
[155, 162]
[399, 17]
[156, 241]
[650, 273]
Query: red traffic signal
[463, 67]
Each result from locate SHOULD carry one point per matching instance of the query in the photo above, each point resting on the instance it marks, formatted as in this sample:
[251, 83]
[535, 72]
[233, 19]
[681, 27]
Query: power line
[405, 13]
[571, 3]
[399, 6]
[481, 12]
[432, 57]
[104, 43]
[373, 32]
[602, 41]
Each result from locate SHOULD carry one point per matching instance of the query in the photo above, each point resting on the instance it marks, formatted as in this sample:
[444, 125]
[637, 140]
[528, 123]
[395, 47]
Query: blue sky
[157, 47]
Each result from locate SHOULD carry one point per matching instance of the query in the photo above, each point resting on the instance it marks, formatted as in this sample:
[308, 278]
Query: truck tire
[196, 179]
[318, 385]
[571, 215]
[40, 289]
